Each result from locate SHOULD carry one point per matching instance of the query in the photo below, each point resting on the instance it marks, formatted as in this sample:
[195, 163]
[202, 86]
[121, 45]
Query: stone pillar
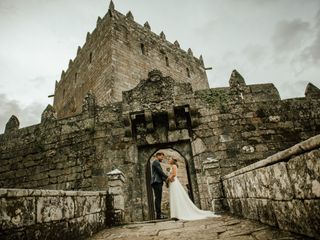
[116, 180]
[212, 172]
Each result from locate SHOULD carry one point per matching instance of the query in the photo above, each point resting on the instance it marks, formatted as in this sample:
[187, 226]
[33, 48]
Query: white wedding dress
[181, 206]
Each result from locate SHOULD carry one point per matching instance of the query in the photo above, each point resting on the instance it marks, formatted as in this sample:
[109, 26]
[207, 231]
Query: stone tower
[115, 57]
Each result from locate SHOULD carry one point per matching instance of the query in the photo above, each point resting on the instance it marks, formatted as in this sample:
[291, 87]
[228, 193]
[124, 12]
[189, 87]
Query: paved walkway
[225, 227]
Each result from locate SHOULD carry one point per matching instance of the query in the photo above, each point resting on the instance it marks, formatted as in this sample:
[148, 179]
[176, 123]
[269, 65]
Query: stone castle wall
[50, 214]
[217, 131]
[240, 126]
[282, 190]
[56, 155]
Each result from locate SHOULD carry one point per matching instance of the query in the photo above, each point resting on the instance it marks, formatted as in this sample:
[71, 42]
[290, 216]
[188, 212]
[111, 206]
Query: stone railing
[282, 190]
[57, 214]
[50, 214]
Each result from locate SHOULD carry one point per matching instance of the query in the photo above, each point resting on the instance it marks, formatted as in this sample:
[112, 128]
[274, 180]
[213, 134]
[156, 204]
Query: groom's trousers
[157, 188]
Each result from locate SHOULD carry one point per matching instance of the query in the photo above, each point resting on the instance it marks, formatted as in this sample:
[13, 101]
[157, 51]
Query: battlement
[116, 56]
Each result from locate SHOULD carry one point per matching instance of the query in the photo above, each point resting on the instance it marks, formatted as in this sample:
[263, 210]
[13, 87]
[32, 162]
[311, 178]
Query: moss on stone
[213, 96]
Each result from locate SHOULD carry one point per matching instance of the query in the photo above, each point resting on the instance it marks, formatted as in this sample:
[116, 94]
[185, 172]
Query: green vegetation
[213, 96]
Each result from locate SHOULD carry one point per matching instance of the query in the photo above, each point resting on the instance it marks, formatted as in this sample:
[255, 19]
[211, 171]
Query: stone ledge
[13, 192]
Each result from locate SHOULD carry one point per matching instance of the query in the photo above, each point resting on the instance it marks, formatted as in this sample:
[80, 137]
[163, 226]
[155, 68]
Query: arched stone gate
[145, 155]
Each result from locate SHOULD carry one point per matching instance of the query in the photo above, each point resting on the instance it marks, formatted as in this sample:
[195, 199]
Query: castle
[130, 93]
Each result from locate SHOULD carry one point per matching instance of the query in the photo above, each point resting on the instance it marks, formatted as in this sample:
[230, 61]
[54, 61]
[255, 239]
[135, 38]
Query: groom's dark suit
[157, 179]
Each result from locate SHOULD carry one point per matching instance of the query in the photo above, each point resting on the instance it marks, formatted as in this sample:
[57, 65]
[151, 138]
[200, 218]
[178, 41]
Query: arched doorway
[183, 175]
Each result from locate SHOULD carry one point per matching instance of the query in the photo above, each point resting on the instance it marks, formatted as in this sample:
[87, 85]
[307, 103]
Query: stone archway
[183, 175]
[186, 174]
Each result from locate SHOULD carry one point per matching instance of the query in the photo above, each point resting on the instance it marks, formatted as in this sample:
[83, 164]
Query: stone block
[15, 193]
[54, 208]
[118, 202]
[3, 192]
[225, 138]
[313, 210]
[266, 212]
[17, 212]
[250, 208]
[251, 182]
[239, 187]
[281, 188]
[235, 206]
[258, 183]
[131, 154]
[198, 146]
[304, 171]
[213, 179]
[213, 171]
[293, 216]
[215, 190]
[177, 135]
[86, 205]
[117, 190]
[217, 205]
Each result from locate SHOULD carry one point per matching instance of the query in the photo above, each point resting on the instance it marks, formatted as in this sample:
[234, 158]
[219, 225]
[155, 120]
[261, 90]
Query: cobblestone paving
[224, 227]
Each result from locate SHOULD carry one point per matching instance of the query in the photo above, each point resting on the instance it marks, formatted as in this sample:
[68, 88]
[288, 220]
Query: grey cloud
[309, 56]
[289, 35]
[312, 52]
[317, 25]
[27, 115]
[254, 53]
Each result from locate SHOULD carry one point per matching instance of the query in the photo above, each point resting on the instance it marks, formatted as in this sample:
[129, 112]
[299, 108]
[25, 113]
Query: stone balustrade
[282, 190]
[51, 214]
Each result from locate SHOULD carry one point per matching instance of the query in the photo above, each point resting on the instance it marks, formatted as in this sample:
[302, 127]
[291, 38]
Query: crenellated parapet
[312, 91]
[48, 115]
[12, 124]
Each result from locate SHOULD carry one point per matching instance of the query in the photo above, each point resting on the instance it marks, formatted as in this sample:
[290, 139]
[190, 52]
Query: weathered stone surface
[266, 213]
[87, 205]
[313, 210]
[17, 213]
[293, 216]
[48, 115]
[278, 194]
[45, 214]
[168, 107]
[54, 209]
[223, 227]
[235, 206]
[304, 170]
[281, 188]
[12, 124]
[198, 146]
[312, 91]
[250, 208]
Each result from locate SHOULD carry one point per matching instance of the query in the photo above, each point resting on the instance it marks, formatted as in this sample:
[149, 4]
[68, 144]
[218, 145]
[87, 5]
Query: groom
[157, 179]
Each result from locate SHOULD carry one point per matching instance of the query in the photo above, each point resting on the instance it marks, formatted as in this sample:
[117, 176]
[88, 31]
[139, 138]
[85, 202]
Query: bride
[181, 207]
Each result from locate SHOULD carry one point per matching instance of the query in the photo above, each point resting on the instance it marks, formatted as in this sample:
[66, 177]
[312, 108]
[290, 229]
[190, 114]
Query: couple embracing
[181, 206]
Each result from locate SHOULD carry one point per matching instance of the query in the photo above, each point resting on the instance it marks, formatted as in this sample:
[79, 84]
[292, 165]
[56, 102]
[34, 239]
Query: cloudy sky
[275, 41]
